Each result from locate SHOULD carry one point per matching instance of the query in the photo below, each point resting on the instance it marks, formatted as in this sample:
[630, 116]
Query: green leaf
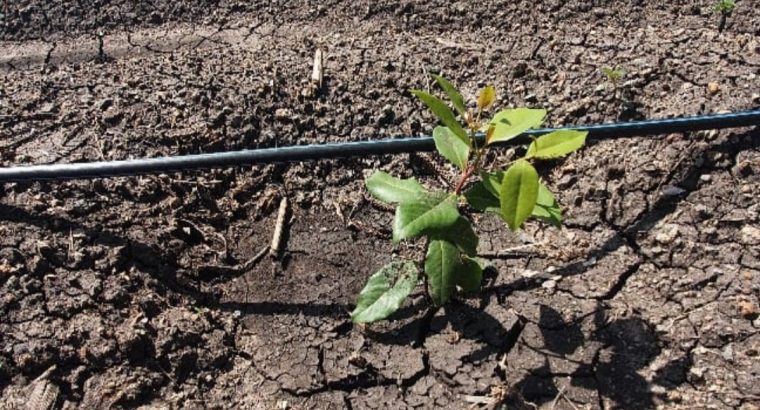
[460, 234]
[441, 264]
[434, 212]
[451, 147]
[470, 275]
[519, 192]
[385, 291]
[393, 190]
[454, 95]
[443, 113]
[482, 199]
[613, 74]
[547, 207]
[511, 123]
[556, 144]
[492, 181]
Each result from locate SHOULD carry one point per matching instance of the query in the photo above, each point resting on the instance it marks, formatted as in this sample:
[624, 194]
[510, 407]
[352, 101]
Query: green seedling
[724, 7]
[514, 193]
[614, 75]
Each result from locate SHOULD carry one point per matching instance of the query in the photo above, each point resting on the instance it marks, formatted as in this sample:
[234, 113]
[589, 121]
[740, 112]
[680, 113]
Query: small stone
[672, 190]
[549, 284]
[530, 274]
[713, 88]
[705, 178]
[282, 113]
[747, 309]
[750, 235]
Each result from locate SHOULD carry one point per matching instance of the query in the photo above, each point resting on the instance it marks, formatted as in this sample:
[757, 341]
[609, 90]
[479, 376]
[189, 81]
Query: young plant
[515, 193]
[724, 7]
[614, 75]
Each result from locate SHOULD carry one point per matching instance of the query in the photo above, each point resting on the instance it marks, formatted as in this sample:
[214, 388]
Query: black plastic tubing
[145, 166]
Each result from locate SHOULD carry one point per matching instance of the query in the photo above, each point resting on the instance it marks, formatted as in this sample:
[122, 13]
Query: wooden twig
[239, 268]
[317, 74]
[274, 249]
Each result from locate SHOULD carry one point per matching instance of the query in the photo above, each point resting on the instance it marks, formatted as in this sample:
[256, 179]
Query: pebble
[282, 113]
[747, 309]
[549, 284]
[672, 190]
[705, 178]
[713, 88]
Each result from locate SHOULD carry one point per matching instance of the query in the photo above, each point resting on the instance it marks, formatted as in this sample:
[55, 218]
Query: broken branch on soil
[274, 249]
[239, 268]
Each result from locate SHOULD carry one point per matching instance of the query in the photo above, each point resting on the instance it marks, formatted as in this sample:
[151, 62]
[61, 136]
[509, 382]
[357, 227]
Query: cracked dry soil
[135, 292]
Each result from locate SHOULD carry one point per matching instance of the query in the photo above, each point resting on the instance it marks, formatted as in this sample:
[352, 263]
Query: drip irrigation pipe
[144, 166]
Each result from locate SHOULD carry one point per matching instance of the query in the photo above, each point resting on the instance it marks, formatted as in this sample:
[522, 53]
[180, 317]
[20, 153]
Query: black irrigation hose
[348, 149]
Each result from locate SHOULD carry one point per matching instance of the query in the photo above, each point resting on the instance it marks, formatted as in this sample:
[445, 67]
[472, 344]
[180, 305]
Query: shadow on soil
[628, 344]
[685, 176]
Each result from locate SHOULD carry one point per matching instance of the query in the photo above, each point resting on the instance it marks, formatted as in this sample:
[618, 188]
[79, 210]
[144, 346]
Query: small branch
[465, 176]
[274, 249]
[317, 73]
[239, 268]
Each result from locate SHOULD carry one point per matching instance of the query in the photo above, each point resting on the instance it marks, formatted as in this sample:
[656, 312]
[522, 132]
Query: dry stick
[274, 249]
[559, 395]
[509, 251]
[241, 267]
[317, 74]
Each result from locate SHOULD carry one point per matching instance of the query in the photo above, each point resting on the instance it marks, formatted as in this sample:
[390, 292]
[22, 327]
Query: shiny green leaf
[482, 199]
[393, 190]
[454, 95]
[518, 194]
[470, 275]
[451, 147]
[460, 234]
[547, 208]
[442, 261]
[556, 144]
[513, 122]
[444, 114]
[385, 291]
[492, 181]
[434, 212]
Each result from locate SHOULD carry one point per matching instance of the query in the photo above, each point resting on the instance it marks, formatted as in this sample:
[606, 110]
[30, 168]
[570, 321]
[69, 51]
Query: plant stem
[465, 176]
[471, 169]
